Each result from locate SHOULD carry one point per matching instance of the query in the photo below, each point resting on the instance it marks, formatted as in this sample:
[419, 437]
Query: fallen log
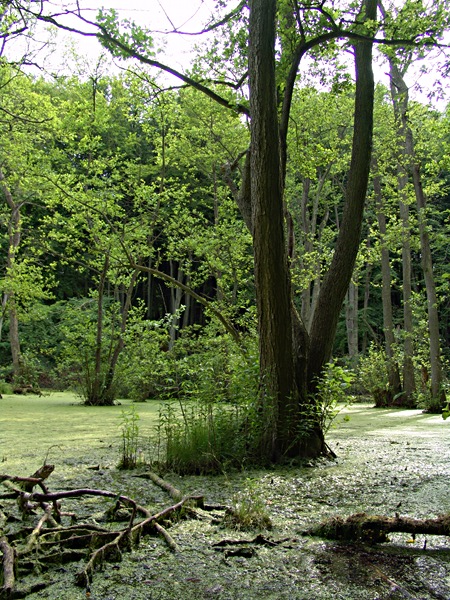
[9, 559]
[374, 529]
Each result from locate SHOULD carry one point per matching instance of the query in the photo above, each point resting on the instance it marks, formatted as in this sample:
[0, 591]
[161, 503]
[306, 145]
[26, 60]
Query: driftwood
[375, 528]
[50, 542]
[173, 492]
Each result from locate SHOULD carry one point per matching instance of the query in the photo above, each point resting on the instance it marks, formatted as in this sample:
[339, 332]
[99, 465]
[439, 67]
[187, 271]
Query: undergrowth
[248, 510]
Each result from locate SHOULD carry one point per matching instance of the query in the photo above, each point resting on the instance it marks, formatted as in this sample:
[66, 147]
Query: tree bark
[400, 99]
[272, 278]
[336, 281]
[351, 321]
[14, 236]
[394, 383]
[409, 385]
[374, 528]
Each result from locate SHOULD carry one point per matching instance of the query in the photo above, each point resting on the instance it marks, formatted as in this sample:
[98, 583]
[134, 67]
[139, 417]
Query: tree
[26, 126]
[291, 361]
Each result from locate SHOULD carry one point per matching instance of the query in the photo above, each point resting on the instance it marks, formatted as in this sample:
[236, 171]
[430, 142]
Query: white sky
[159, 16]
[164, 16]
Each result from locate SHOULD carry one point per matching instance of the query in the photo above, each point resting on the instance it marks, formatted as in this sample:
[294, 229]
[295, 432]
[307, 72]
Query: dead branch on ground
[374, 529]
[50, 542]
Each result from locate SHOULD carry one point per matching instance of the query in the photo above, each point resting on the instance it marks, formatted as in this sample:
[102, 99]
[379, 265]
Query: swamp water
[389, 462]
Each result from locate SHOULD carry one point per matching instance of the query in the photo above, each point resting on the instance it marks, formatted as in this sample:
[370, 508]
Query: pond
[388, 462]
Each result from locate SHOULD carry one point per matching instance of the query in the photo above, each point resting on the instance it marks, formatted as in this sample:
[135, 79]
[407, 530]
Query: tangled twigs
[49, 541]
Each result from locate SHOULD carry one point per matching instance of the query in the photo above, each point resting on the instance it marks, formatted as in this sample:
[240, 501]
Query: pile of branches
[51, 542]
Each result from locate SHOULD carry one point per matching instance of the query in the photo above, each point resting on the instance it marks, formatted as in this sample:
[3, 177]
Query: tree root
[375, 529]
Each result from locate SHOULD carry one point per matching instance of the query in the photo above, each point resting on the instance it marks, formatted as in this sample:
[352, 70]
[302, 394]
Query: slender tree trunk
[14, 338]
[438, 398]
[310, 231]
[14, 236]
[94, 382]
[176, 295]
[4, 305]
[400, 98]
[409, 384]
[336, 282]
[351, 321]
[388, 321]
[366, 302]
[108, 392]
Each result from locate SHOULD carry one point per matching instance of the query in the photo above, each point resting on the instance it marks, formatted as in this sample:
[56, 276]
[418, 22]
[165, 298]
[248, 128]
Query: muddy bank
[389, 462]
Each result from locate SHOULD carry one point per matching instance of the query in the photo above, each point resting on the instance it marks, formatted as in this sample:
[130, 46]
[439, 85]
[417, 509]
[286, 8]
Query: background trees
[140, 218]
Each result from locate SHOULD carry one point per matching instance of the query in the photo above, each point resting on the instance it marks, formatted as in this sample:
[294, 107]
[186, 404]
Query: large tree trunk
[337, 280]
[272, 278]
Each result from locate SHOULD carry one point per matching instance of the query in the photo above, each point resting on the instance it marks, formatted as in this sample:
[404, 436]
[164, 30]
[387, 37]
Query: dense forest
[245, 239]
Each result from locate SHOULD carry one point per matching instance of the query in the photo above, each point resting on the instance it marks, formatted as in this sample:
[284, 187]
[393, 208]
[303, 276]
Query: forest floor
[388, 462]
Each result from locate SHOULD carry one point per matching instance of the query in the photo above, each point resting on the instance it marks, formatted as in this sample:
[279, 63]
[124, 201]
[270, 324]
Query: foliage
[112, 166]
[77, 356]
[30, 372]
[199, 438]
[333, 393]
[203, 365]
[372, 372]
[130, 438]
[248, 510]
[5, 388]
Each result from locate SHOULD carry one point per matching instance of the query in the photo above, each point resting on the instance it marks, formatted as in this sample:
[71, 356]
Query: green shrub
[248, 510]
[333, 393]
[373, 373]
[198, 438]
[130, 438]
[5, 388]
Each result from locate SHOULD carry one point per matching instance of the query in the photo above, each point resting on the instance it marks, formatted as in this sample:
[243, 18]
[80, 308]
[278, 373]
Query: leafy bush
[146, 369]
[207, 367]
[78, 366]
[5, 388]
[373, 373]
[130, 438]
[30, 372]
[248, 510]
[333, 393]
